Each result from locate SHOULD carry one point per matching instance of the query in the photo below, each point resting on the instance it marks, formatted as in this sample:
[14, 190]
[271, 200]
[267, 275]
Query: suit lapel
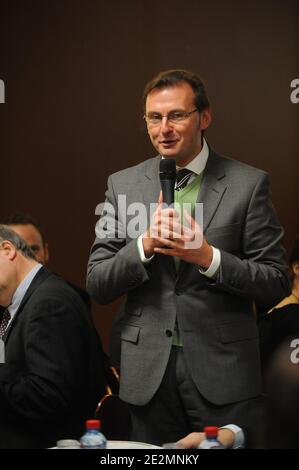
[41, 275]
[150, 183]
[212, 188]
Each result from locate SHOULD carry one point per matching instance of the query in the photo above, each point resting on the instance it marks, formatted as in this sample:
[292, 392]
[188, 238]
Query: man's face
[181, 140]
[33, 239]
[8, 273]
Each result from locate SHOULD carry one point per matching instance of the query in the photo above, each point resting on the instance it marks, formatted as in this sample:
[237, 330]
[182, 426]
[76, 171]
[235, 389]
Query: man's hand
[169, 237]
[187, 243]
[149, 240]
[194, 439]
[165, 224]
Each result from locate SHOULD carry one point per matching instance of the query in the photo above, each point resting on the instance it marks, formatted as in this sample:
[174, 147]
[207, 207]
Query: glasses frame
[173, 121]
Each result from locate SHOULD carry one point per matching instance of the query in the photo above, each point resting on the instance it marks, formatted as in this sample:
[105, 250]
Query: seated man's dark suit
[52, 377]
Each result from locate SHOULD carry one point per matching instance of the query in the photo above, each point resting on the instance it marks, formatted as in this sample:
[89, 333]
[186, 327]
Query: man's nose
[166, 125]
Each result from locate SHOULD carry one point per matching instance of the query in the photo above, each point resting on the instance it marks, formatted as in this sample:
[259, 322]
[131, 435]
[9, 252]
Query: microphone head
[168, 168]
[167, 179]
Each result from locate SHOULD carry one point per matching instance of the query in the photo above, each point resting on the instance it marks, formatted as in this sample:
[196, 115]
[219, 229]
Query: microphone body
[167, 175]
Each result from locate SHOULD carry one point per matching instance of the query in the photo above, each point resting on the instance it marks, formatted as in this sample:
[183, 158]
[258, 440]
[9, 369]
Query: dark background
[74, 72]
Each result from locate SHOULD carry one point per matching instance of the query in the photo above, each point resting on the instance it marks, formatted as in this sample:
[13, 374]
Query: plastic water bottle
[211, 441]
[93, 438]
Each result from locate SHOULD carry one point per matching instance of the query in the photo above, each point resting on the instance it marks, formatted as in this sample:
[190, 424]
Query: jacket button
[168, 333]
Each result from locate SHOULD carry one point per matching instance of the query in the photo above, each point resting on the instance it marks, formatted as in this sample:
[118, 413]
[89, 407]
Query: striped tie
[182, 179]
[4, 322]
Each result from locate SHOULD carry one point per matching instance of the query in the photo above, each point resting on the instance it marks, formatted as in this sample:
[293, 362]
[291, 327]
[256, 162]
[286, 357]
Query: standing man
[51, 368]
[189, 341]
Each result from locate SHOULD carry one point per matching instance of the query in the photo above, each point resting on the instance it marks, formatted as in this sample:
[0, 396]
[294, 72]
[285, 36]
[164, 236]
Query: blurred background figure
[33, 234]
[282, 321]
[282, 389]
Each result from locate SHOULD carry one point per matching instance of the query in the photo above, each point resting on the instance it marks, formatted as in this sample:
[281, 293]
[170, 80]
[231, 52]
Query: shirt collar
[198, 164]
[22, 289]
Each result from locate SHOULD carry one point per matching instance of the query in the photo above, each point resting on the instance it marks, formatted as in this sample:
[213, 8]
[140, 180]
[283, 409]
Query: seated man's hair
[7, 234]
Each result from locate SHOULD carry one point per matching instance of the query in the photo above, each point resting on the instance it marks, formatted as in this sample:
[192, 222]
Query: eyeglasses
[155, 119]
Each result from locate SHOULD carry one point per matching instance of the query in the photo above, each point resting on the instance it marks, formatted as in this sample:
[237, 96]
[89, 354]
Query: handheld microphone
[167, 175]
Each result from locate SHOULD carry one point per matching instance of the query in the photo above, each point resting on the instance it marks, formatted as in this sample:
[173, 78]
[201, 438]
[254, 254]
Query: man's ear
[9, 250]
[295, 267]
[47, 252]
[205, 118]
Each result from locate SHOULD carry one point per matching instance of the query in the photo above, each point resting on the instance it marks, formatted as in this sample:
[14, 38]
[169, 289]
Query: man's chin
[168, 153]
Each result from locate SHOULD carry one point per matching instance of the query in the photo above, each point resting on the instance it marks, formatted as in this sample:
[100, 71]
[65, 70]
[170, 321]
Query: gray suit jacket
[215, 318]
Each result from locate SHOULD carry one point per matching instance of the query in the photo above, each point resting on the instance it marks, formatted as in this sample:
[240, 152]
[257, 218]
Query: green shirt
[185, 199]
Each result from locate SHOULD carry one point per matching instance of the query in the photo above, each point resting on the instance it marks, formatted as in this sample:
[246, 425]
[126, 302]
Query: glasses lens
[177, 116]
[153, 118]
[173, 116]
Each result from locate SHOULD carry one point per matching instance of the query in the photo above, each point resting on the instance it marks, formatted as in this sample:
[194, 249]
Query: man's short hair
[170, 78]
[24, 219]
[7, 234]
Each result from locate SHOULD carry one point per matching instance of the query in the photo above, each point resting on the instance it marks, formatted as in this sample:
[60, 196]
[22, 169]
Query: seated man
[51, 377]
[33, 234]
